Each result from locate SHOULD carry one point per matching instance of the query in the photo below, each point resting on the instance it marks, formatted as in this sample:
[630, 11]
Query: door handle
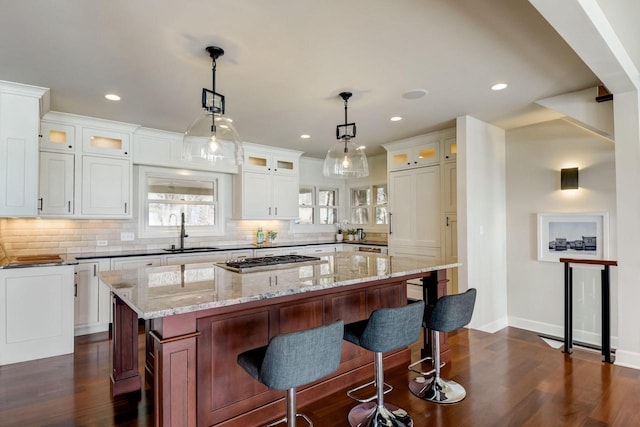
[390, 232]
[447, 221]
[69, 206]
[41, 201]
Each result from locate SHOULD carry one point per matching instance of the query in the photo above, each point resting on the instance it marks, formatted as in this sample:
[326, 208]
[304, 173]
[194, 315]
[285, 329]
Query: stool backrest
[393, 328]
[451, 312]
[299, 358]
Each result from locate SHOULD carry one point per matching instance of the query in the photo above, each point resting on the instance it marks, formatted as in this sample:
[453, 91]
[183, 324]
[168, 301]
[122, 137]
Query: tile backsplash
[32, 236]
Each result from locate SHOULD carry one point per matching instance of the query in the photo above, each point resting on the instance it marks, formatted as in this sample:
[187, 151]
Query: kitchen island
[199, 317]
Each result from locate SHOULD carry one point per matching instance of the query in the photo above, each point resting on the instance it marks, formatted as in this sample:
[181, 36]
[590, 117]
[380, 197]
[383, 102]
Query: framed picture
[573, 235]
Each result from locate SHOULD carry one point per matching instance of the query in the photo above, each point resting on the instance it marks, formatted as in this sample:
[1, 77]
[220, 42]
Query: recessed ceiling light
[112, 97]
[415, 94]
[305, 136]
[499, 86]
[362, 147]
[395, 118]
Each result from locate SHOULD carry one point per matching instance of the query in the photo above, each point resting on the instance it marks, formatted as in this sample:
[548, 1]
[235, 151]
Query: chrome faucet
[183, 232]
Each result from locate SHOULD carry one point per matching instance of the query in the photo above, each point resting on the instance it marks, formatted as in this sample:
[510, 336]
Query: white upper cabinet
[267, 185]
[160, 148]
[280, 163]
[57, 137]
[450, 148]
[19, 126]
[106, 187]
[56, 184]
[92, 179]
[413, 157]
[105, 142]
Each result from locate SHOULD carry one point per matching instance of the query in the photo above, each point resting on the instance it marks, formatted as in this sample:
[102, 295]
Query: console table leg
[606, 316]
[568, 308]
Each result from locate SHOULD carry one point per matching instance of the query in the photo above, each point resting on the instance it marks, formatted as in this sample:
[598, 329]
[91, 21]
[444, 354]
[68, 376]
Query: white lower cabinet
[126, 263]
[92, 308]
[37, 313]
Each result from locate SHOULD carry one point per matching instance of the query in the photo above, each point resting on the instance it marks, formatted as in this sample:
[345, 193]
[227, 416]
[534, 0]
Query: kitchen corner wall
[535, 154]
[35, 236]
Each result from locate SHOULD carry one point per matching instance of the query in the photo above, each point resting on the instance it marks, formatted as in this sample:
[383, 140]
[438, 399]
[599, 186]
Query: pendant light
[212, 138]
[345, 159]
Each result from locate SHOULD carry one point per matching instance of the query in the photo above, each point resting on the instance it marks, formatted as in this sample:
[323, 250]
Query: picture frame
[582, 235]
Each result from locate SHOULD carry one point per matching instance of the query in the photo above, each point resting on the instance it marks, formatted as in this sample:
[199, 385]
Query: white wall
[534, 156]
[482, 220]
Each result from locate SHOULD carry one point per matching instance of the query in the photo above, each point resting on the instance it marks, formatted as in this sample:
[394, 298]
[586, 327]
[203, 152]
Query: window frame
[371, 207]
[316, 226]
[221, 184]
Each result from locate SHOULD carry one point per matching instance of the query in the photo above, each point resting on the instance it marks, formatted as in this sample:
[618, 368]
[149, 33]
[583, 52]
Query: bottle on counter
[260, 236]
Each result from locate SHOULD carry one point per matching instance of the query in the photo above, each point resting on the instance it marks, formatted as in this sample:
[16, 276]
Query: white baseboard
[587, 337]
[491, 327]
[628, 359]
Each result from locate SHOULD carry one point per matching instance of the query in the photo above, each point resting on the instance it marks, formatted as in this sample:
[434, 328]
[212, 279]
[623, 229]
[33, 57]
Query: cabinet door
[106, 186]
[56, 183]
[19, 123]
[57, 136]
[285, 196]
[402, 195]
[127, 263]
[256, 195]
[451, 250]
[449, 188]
[427, 206]
[414, 199]
[37, 313]
[450, 148]
[107, 142]
[87, 295]
[413, 157]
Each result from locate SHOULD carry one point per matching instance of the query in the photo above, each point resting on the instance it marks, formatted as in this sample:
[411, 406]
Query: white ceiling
[286, 61]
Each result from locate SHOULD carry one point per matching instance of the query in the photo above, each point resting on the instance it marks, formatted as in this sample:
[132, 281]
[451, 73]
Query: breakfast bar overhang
[199, 317]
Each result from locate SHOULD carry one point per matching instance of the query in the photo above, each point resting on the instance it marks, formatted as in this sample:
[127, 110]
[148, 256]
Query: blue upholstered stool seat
[387, 329]
[449, 313]
[295, 359]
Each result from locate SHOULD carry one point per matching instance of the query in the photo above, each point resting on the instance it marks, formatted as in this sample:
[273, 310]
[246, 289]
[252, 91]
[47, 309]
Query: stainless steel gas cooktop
[265, 263]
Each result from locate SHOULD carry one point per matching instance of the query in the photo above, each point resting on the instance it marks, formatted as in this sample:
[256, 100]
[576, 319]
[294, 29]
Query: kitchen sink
[199, 249]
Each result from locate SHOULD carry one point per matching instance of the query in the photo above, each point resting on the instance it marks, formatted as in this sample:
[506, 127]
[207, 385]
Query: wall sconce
[569, 179]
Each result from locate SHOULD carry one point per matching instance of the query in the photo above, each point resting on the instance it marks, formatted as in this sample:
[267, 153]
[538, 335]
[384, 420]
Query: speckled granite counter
[164, 291]
[199, 317]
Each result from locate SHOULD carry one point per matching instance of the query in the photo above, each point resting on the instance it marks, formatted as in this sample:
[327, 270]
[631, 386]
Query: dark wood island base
[191, 357]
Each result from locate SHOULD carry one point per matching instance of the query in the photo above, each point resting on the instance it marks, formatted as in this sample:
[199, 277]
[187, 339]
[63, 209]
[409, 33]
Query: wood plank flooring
[512, 379]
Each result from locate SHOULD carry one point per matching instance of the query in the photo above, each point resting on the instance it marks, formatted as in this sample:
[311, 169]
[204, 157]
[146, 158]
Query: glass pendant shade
[212, 139]
[346, 160]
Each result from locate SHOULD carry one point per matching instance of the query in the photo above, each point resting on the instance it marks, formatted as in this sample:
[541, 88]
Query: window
[363, 206]
[317, 205]
[166, 194]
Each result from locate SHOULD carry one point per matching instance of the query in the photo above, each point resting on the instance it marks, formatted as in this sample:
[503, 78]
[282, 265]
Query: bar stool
[449, 313]
[385, 330]
[295, 359]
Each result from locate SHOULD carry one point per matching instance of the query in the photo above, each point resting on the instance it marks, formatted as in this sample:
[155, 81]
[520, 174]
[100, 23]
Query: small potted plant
[352, 233]
[271, 235]
[342, 226]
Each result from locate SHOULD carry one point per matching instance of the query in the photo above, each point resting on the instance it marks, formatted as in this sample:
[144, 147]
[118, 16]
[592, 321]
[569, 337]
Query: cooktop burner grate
[269, 260]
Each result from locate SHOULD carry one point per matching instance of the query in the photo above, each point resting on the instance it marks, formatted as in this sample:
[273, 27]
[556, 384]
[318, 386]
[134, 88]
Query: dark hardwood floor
[512, 379]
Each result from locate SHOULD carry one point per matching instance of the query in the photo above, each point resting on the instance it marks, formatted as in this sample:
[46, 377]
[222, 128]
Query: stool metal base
[291, 422]
[437, 390]
[372, 415]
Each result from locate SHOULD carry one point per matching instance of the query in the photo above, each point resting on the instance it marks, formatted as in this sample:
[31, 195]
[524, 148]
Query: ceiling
[286, 61]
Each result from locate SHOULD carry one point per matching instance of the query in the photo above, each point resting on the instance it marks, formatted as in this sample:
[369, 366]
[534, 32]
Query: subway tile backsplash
[32, 236]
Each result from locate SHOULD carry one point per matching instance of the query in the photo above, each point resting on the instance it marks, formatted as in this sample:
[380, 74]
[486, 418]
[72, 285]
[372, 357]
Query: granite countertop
[220, 248]
[155, 292]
